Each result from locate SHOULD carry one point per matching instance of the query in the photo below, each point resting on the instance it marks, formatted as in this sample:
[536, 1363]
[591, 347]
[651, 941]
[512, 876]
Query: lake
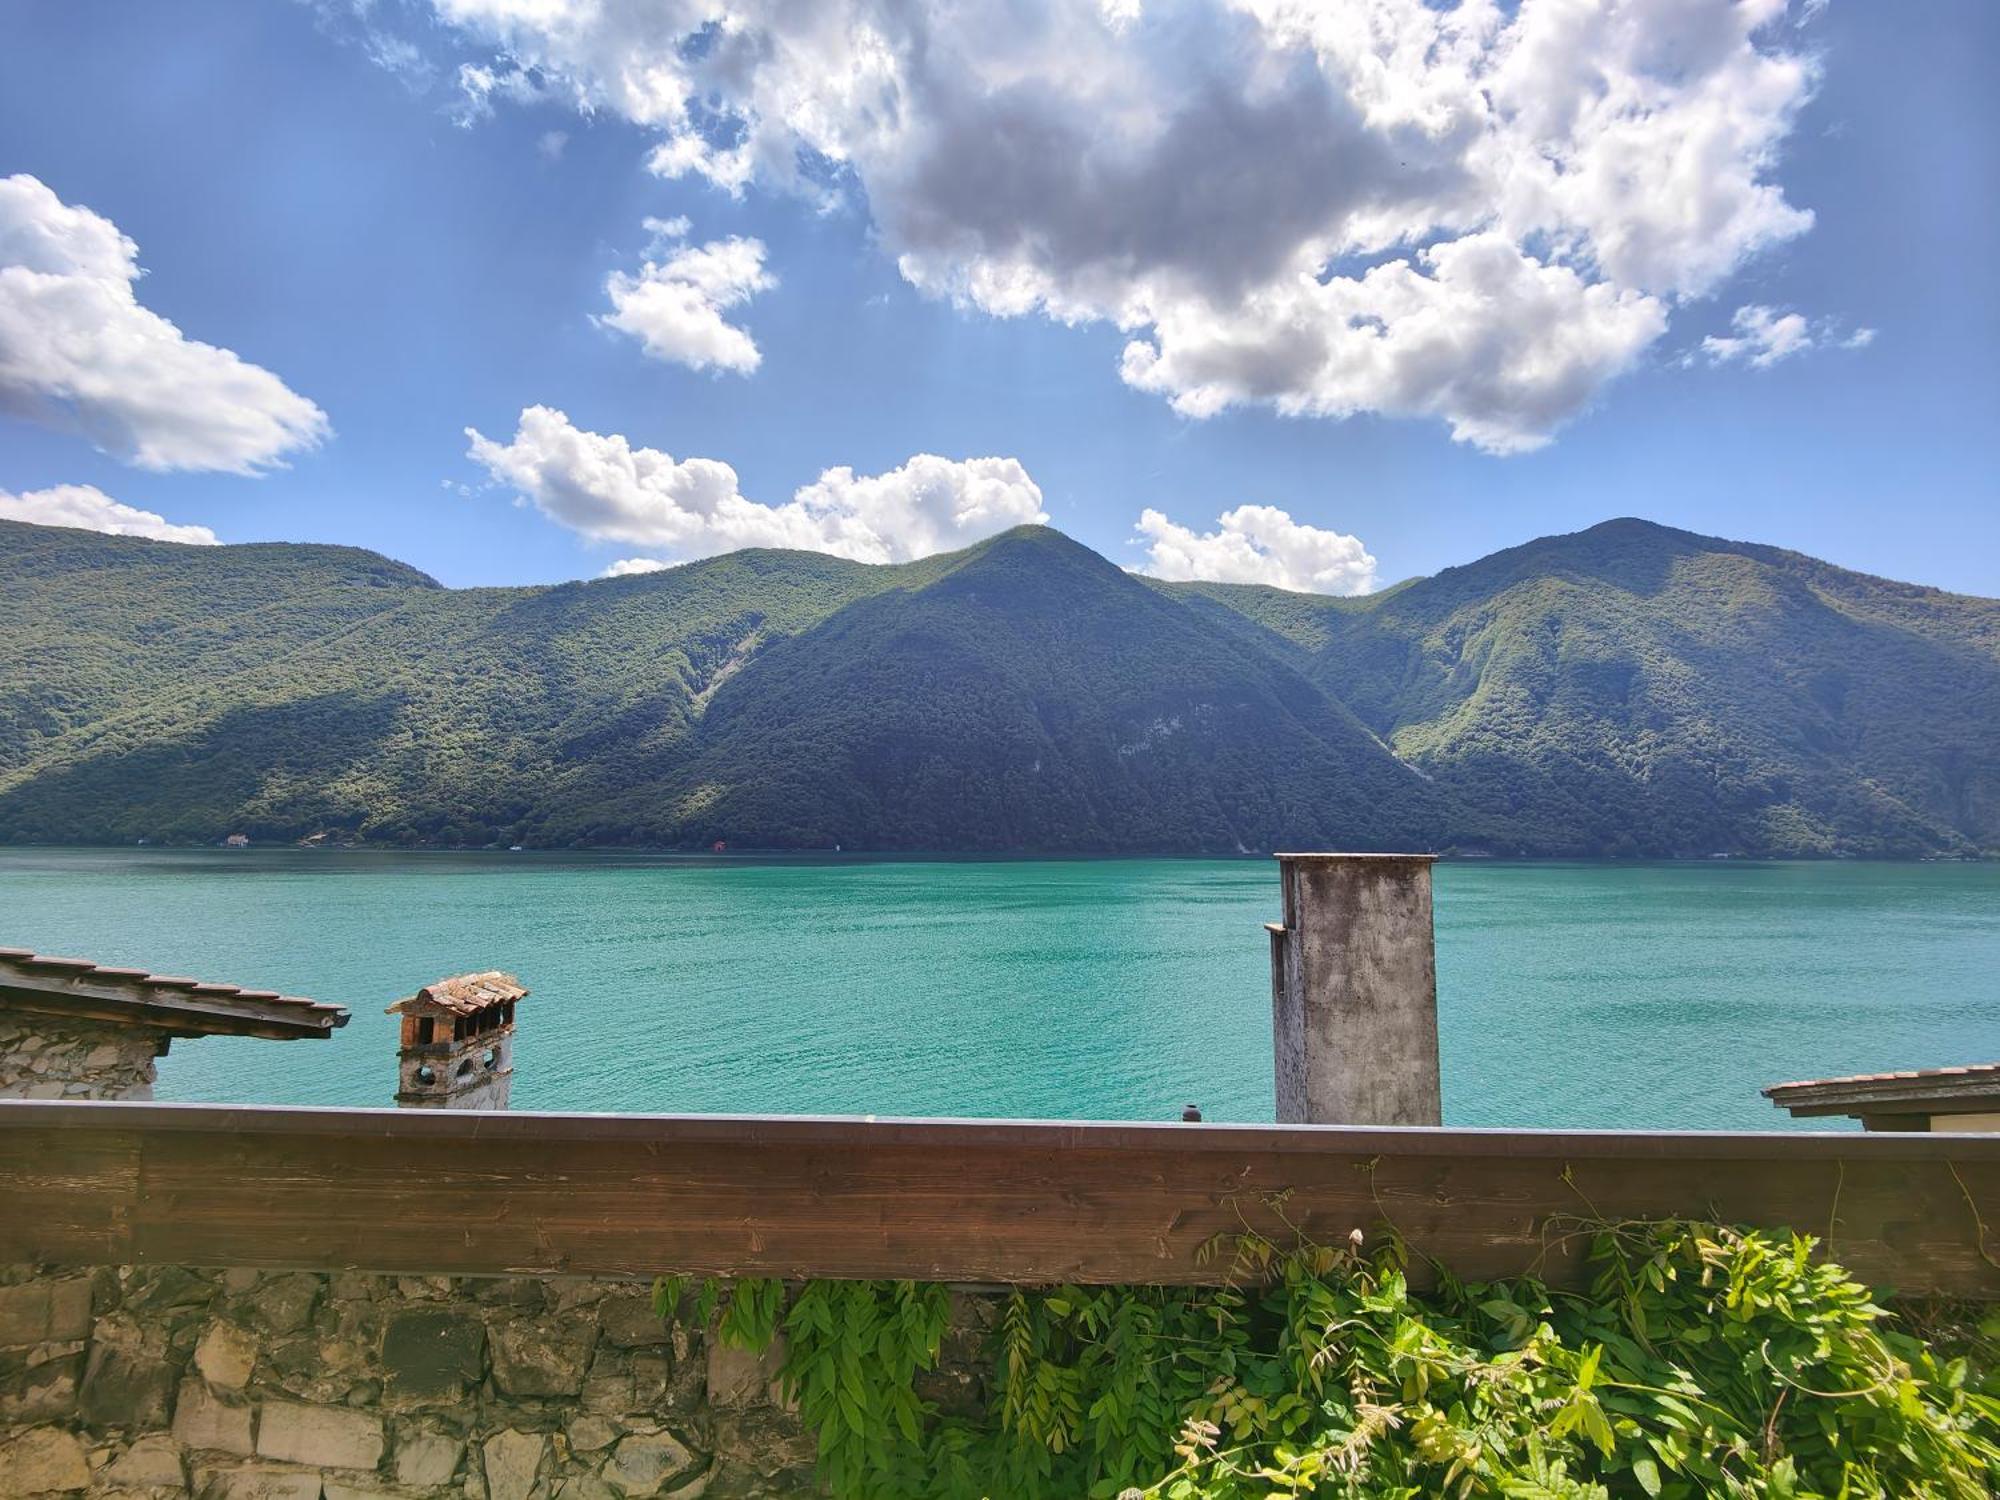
[1649, 995]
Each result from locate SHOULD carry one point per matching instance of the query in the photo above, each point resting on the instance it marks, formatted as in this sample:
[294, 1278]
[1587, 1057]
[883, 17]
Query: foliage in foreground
[1703, 1361]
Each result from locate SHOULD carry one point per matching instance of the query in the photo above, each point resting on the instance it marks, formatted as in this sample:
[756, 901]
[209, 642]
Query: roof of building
[1971, 1086]
[464, 994]
[81, 989]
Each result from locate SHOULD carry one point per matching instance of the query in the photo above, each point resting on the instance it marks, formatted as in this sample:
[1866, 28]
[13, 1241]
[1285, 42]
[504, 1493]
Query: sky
[1324, 296]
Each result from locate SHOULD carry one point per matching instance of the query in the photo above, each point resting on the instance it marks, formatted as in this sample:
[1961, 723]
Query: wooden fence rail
[509, 1194]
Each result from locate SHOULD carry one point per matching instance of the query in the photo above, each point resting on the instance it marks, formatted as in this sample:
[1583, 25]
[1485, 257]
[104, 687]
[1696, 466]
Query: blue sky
[321, 190]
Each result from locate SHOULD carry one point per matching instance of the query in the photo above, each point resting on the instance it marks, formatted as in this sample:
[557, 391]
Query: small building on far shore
[1962, 1098]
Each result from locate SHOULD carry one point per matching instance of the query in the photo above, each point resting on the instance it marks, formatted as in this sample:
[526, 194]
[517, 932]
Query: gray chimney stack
[1354, 991]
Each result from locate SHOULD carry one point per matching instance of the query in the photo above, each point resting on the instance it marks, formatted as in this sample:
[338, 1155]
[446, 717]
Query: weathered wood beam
[636, 1195]
[189, 1011]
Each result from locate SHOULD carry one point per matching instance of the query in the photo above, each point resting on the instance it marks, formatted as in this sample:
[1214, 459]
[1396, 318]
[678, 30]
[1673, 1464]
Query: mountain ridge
[1625, 689]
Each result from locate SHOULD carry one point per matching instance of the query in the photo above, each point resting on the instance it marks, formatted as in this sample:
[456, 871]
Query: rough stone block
[203, 1420]
[523, 1292]
[284, 1304]
[356, 1286]
[331, 1437]
[646, 1464]
[763, 1451]
[652, 1376]
[427, 1459]
[533, 1358]
[258, 1484]
[41, 1312]
[433, 1351]
[589, 1433]
[226, 1355]
[125, 1387]
[167, 1289]
[608, 1386]
[153, 1461]
[630, 1322]
[43, 1461]
[38, 1384]
[739, 1377]
[512, 1460]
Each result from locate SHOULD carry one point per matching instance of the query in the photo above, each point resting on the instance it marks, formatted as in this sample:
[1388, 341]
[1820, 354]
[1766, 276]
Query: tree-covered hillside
[1629, 689]
[1635, 689]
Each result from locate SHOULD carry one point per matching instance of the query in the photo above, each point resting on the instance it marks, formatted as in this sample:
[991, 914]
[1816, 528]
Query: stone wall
[239, 1385]
[42, 1057]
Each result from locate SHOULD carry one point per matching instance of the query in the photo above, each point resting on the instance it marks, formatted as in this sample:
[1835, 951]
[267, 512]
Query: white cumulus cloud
[602, 487]
[88, 508]
[631, 567]
[1763, 336]
[1479, 213]
[1473, 331]
[674, 306]
[79, 352]
[1257, 544]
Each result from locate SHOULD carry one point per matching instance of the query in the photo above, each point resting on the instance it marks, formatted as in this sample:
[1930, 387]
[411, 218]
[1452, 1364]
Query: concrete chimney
[457, 1047]
[1354, 991]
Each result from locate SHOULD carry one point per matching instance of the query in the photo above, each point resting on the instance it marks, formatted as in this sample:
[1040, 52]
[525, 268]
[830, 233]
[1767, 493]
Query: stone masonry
[164, 1382]
[43, 1058]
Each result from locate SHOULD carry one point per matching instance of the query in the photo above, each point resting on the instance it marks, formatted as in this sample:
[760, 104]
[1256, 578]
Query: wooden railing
[964, 1201]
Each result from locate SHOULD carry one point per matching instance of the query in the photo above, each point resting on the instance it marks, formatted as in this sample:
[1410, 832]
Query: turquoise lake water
[1654, 995]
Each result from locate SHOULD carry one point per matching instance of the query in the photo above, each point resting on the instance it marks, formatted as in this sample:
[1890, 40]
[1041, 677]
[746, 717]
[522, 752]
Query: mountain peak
[1027, 554]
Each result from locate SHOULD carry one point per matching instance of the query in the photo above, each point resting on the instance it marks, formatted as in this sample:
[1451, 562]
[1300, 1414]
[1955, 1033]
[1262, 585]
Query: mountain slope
[408, 715]
[1036, 697]
[1634, 688]
[1628, 689]
[1023, 694]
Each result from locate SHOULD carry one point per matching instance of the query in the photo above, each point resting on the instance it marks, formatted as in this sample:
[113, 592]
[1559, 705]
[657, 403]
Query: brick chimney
[457, 1047]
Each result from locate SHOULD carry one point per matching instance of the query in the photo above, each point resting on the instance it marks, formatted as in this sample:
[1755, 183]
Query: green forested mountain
[1628, 689]
[1633, 689]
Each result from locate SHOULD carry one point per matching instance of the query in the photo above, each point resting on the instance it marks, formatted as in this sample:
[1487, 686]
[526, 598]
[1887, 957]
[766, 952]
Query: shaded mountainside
[1628, 689]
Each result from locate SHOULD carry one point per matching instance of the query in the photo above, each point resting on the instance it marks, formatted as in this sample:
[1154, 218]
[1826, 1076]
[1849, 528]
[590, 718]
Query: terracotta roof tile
[1905, 1075]
[464, 994]
[1961, 1089]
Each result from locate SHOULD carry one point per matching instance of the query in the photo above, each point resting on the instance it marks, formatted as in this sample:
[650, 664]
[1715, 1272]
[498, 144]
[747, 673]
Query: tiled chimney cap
[463, 994]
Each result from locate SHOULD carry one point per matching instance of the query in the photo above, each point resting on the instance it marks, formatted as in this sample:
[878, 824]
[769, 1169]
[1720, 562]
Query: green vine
[1703, 1361]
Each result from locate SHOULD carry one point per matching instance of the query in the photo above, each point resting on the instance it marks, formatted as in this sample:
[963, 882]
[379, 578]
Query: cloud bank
[90, 509]
[78, 352]
[1480, 214]
[1257, 544]
[602, 487]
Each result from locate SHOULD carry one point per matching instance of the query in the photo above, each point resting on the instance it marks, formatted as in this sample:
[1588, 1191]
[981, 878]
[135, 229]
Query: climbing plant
[1702, 1361]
